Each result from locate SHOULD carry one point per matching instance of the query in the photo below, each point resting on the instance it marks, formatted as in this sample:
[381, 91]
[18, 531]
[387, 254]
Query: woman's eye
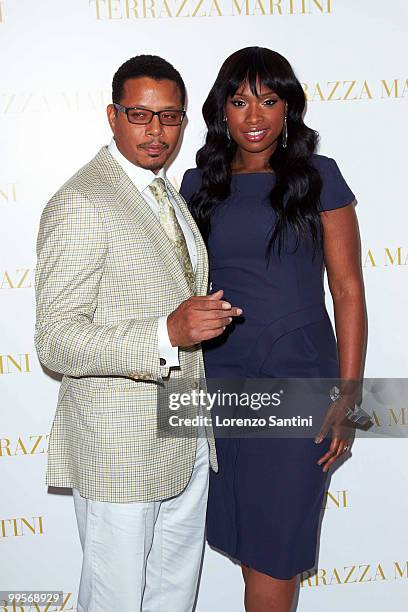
[238, 102]
[270, 102]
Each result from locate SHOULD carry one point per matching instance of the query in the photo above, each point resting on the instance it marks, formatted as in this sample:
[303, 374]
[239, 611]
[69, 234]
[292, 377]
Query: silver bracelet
[355, 414]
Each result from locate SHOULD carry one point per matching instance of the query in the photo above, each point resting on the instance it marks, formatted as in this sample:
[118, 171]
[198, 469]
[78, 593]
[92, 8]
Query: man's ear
[112, 116]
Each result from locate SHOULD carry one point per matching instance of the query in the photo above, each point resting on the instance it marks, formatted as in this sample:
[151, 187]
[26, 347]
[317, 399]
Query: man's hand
[200, 318]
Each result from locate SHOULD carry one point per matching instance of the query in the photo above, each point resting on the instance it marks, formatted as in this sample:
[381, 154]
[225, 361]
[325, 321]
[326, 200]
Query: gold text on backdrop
[352, 90]
[114, 10]
[8, 193]
[352, 574]
[338, 500]
[21, 278]
[14, 527]
[28, 445]
[396, 256]
[15, 364]
[57, 102]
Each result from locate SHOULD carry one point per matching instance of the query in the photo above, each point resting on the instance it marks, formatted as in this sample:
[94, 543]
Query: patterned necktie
[171, 226]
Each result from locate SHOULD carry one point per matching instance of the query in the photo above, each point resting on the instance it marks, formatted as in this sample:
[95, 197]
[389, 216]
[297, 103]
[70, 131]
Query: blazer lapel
[138, 209]
[132, 201]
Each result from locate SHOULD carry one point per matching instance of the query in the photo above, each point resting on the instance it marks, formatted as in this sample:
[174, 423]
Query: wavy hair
[296, 193]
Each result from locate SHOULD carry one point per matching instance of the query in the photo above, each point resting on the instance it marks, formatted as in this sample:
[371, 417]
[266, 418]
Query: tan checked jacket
[106, 272]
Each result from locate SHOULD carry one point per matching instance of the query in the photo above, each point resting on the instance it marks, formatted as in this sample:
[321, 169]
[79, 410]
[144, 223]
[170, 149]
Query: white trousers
[144, 557]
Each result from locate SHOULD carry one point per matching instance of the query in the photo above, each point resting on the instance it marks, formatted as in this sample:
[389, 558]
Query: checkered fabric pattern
[106, 271]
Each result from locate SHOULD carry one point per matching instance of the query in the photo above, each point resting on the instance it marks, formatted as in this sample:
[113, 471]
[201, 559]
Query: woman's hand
[341, 429]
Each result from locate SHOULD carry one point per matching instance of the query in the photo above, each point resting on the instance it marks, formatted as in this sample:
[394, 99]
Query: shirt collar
[140, 177]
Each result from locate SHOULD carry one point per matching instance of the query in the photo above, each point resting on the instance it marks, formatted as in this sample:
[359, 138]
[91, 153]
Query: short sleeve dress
[265, 502]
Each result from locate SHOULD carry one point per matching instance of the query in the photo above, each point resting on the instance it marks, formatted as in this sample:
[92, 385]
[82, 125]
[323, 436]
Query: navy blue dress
[265, 502]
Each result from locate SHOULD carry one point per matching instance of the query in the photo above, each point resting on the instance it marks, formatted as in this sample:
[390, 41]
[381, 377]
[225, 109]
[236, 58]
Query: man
[121, 289]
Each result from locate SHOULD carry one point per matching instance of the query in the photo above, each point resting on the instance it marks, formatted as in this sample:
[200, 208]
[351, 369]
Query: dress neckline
[251, 173]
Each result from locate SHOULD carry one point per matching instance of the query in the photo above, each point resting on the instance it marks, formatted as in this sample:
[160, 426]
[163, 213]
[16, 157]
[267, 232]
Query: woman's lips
[255, 135]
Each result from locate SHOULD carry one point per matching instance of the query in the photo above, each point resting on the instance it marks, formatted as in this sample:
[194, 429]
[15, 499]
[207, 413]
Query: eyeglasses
[143, 116]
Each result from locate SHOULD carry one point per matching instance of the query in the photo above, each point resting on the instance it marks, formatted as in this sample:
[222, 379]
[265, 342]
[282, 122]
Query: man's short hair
[151, 66]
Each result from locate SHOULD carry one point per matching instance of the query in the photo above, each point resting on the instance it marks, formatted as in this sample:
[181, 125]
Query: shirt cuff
[168, 354]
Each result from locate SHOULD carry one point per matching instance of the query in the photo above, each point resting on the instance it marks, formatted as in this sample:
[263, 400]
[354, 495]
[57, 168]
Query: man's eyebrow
[169, 107]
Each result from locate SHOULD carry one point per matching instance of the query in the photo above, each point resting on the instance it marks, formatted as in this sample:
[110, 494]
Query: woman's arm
[342, 256]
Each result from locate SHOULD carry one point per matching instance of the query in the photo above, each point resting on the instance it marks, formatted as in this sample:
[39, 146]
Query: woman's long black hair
[295, 196]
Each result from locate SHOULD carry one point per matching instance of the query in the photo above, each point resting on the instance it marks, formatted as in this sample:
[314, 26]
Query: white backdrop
[57, 60]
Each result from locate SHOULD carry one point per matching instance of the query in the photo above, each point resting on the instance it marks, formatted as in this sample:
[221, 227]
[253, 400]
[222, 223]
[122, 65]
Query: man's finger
[203, 302]
[218, 305]
[213, 315]
[216, 323]
[211, 296]
[217, 295]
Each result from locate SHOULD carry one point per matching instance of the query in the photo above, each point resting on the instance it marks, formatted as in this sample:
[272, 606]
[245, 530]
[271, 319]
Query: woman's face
[255, 122]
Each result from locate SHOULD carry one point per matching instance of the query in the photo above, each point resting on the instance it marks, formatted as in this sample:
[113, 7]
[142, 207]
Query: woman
[273, 214]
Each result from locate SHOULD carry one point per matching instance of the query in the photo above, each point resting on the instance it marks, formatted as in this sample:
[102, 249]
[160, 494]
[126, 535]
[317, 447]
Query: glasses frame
[126, 109]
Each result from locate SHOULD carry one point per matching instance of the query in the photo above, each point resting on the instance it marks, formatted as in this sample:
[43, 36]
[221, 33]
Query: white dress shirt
[142, 178]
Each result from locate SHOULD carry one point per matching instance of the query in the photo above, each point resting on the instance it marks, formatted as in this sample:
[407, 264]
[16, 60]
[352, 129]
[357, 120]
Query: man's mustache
[146, 145]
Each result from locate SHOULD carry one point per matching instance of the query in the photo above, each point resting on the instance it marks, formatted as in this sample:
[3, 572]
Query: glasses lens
[171, 117]
[139, 115]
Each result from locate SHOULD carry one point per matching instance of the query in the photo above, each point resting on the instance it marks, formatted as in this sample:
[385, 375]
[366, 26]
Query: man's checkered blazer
[106, 271]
